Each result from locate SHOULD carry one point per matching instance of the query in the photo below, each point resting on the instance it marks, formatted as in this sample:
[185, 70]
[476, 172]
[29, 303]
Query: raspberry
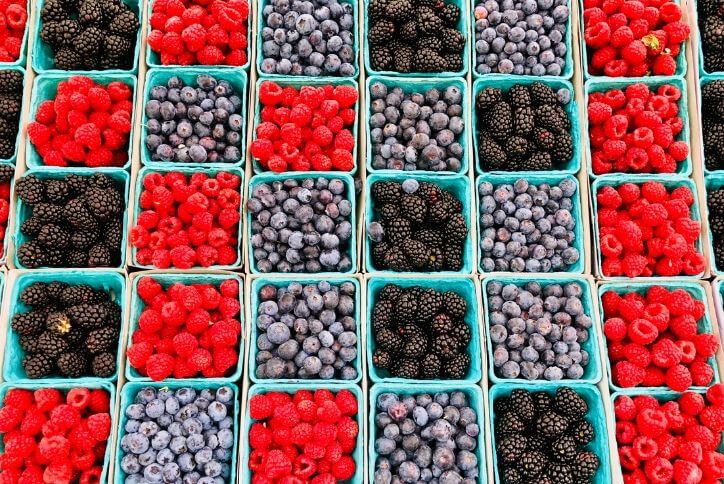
[659, 470]
[307, 410]
[701, 373]
[344, 468]
[46, 399]
[634, 52]
[200, 359]
[628, 375]
[599, 112]
[678, 378]
[686, 472]
[644, 448]
[642, 331]
[18, 398]
[651, 423]
[99, 425]
[665, 353]
[706, 344]
[615, 329]
[159, 366]
[54, 449]
[637, 354]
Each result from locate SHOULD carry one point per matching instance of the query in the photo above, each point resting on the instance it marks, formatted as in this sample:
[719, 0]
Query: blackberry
[428, 21]
[510, 449]
[49, 213]
[83, 239]
[90, 13]
[113, 231]
[523, 121]
[35, 295]
[399, 10]
[382, 315]
[408, 31]
[562, 151]
[455, 305]
[72, 365]
[442, 324]
[430, 367]
[404, 57]
[89, 43]
[532, 464]
[381, 58]
[544, 139]
[81, 294]
[570, 404]
[55, 289]
[453, 257]
[551, 425]
[457, 367]
[56, 191]
[435, 260]
[452, 40]
[538, 161]
[516, 147]
[125, 24]
[501, 405]
[58, 322]
[408, 369]
[54, 257]
[388, 211]
[31, 255]
[522, 402]
[38, 365]
[501, 118]
[117, 49]
[429, 305]
[31, 227]
[51, 344]
[382, 359]
[78, 215]
[445, 346]
[76, 258]
[395, 259]
[11, 82]
[389, 341]
[377, 10]
[427, 60]
[551, 118]
[103, 365]
[583, 432]
[430, 237]
[586, 464]
[113, 312]
[88, 316]
[413, 208]
[386, 192]
[397, 230]
[76, 184]
[509, 424]
[29, 323]
[66, 31]
[391, 292]
[29, 343]
[487, 98]
[406, 307]
[51, 235]
[560, 473]
[414, 341]
[10, 107]
[491, 154]
[462, 333]
[53, 10]
[450, 14]
[512, 475]
[416, 253]
[564, 449]
[543, 401]
[519, 96]
[453, 62]
[104, 203]
[379, 253]
[542, 94]
[30, 189]
[439, 212]
[381, 32]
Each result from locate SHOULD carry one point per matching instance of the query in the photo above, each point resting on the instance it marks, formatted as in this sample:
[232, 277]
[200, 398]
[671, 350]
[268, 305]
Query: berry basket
[110, 281]
[718, 297]
[704, 80]
[45, 87]
[18, 138]
[350, 195]
[22, 58]
[23, 211]
[538, 178]
[8, 235]
[462, 286]
[608, 83]
[421, 85]
[592, 373]
[257, 284]
[168, 279]
[505, 83]
[693, 12]
[712, 181]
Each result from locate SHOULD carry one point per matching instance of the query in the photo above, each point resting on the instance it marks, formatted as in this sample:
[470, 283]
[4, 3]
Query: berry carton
[712, 181]
[13, 159]
[22, 58]
[704, 80]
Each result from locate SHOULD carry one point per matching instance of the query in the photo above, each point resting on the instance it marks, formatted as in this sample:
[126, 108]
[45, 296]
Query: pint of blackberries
[11, 94]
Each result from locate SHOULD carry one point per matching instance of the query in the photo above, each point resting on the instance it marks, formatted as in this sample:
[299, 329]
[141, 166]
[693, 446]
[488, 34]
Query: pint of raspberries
[647, 229]
[310, 128]
[633, 38]
[13, 18]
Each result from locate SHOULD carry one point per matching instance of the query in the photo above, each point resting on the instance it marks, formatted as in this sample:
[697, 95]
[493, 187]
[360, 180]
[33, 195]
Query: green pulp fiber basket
[14, 158]
[298, 83]
[111, 282]
[595, 416]
[458, 185]
[537, 179]
[592, 372]
[45, 87]
[188, 171]
[160, 76]
[128, 397]
[22, 59]
[713, 181]
[703, 82]
[705, 324]
[607, 84]
[411, 85]
[278, 282]
[462, 286]
[505, 83]
[270, 178]
[23, 211]
[669, 181]
[292, 388]
[166, 280]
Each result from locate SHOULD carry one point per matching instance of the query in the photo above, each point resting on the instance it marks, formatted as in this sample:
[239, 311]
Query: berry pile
[538, 330]
[654, 339]
[15, 16]
[310, 38]
[526, 227]
[416, 131]
[421, 333]
[307, 331]
[7, 172]
[188, 32]
[90, 34]
[711, 28]
[636, 130]
[525, 128]
[421, 436]
[633, 38]
[712, 103]
[523, 38]
[671, 441]
[306, 129]
[647, 230]
[406, 36]
[195, 124]
[188, 221]
[544, 437]
[303, 437]
[69, 330]
[50, 436]
[186, 330]
[172, 435]
[11, 97]
[301, 225]
[715, 202]
[75, 221]
[416, 226]
[86, 124]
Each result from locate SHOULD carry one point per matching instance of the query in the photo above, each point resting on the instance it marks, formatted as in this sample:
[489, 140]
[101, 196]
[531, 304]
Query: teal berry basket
[166, 280]
[23, 211]
[278, 282]
[537, 179]
[128, 396]
[606, 84]
[292, 388]
[14, 158]
[669, 181]
[705, 324]
[464, 287]
[410, 85]
[595, 416]
[458, 185]
[45, 87]
[112, 282]
[505, 83]
[160, 76]
[298, 83]
[709, 78]
[713, 181]
[188, 171]
[592, 372]
[475, 401]
[270, 178]
[22, 59]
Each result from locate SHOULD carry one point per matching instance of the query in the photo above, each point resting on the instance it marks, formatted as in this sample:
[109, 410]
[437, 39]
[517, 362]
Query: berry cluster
[633, 38]
[654, 339]
[7, 172]
[11, 97]
[186, 330]
[711, 29]
[303, 437]
[635, 130]
[647, 230]
[12, 28]
[306, 129]
[671, 441]
[712, 99]
[86, 124]
[188, 221]
[188, 32]
[51, 436]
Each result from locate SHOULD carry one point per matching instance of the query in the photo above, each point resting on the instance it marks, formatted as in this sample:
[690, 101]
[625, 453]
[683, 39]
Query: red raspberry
[659, 470]
[634, 52]
[642, 331]
[701, 373]
[159, 366]
[599, 112]
[706, 344]
[665, 353]
[628, 375]
[686, 472]
[615, 329]
[344, 468]
[99, 425]
[651, 423]
[89, 136]
[626, 432]
[54, 449]
[637, 354]
[277, 464]
[259, 436]
[260, 407]
[678, 378]
[644, 448]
